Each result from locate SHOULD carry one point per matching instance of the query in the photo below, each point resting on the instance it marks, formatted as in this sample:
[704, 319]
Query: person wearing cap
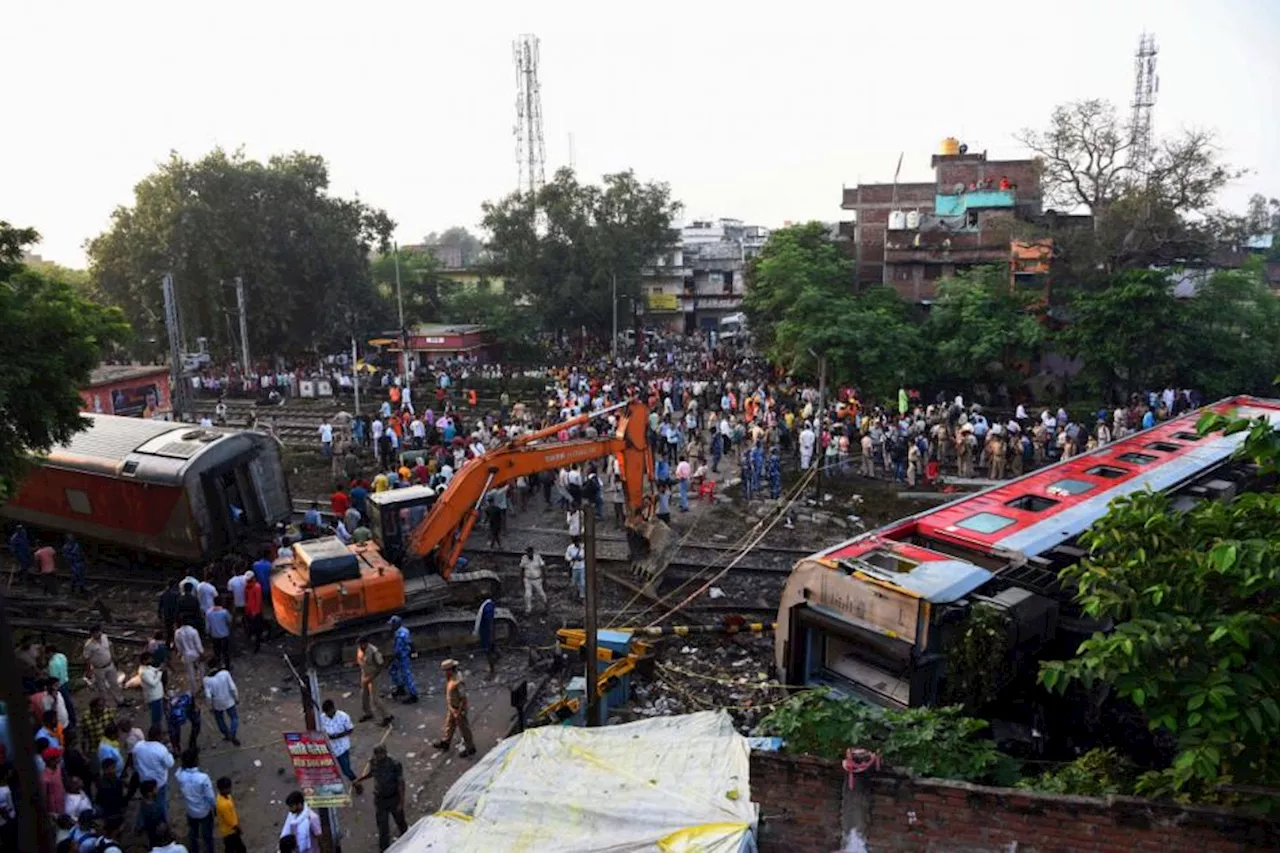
[371, 664]
[401, 663]
[388, 794]
[455, 695]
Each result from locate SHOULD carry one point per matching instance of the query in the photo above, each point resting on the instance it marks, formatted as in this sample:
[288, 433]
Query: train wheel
[326, 654]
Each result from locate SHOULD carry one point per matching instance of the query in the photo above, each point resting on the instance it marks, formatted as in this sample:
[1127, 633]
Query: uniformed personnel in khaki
[455, 695]
[102, 666]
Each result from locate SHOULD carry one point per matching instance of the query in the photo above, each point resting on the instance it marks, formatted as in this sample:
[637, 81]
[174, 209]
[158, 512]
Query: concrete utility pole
[244, 325]
[613, 346]
[310, 690]
[594, 715]
[404, 342]
[355, 374]
[822, 408]
[173, 326]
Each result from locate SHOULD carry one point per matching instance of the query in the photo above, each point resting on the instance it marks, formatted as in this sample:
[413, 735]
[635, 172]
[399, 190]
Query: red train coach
[158, 488]
[875, 616]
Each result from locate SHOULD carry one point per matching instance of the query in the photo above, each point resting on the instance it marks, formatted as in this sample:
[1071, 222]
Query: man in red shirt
[253, 609]
[47, 563]
[338, 501]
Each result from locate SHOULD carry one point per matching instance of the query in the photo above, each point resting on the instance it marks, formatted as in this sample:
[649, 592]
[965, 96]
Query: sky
[751, 110]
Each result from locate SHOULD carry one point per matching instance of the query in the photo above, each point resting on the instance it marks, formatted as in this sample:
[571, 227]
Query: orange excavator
[333, 592]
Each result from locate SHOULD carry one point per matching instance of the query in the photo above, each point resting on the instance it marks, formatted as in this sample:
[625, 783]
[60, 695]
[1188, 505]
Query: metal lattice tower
[1145, 87]
[531, 152]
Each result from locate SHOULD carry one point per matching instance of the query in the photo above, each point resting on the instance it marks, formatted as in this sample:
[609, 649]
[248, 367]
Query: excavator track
[432, 631]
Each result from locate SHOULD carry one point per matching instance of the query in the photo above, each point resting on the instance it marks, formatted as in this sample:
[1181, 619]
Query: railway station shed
[429, 342]
[667, 783]
[128, 390]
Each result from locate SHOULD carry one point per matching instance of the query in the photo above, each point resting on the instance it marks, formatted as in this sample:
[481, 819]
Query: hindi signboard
[316, 769]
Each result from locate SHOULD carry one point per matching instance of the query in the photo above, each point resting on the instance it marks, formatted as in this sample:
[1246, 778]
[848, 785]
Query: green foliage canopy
[559, 251]
[51, 338]
[303, 253]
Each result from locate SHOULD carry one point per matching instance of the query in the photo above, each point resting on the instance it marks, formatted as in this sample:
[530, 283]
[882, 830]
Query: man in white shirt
[576, 557]
[326, 439]
[302, 823]
[573, 518]
[206, 594]
[187, 643]
[531, 565]
[220, 690]
[807, 441]
[337, 725]
[235, 586]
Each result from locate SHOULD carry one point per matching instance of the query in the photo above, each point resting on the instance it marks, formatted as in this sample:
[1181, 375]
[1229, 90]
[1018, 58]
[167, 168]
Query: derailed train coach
[157, 488]
[875, 617]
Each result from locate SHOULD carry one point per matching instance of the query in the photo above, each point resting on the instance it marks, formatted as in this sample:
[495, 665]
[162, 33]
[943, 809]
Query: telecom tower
[531, 152]
[1145, 86]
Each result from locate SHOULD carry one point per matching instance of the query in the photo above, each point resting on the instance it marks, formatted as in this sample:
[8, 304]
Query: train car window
[1031, 503]
[130, 467]
[1188, 436]
[985, 522]
[78, 501]
[888, 561]
[1137, 458]
[1108, 471]
[1164, 446]
[1070, 487]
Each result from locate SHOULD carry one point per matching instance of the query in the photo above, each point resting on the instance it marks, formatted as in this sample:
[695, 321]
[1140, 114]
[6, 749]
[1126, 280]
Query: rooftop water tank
[897, 220]
[950, 146]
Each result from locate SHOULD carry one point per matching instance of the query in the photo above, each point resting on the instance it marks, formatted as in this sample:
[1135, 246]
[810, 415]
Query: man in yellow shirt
[225, 819]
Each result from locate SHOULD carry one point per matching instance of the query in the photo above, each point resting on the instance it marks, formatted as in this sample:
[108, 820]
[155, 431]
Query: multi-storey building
[909, 235]
[702, 280]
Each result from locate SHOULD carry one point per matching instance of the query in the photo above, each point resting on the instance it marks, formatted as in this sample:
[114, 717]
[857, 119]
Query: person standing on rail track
[102, 665]
[576, 558]
[20, 547]
[371, 664]
[531, 567]
[74, 555]
[401, 663]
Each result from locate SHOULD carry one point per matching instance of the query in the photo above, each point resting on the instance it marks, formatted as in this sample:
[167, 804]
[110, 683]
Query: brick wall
[806, 808]
[800, 807]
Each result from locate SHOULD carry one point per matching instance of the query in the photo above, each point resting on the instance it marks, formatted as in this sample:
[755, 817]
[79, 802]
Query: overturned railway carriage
[875, 616]
[157, 488]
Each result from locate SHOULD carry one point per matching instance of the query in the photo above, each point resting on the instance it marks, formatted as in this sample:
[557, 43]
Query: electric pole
[594, 714]
[244, 325]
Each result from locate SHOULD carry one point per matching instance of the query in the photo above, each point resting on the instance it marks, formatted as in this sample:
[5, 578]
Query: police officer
[455, 695]
[401, 663]
[775, 474]
[388, 794]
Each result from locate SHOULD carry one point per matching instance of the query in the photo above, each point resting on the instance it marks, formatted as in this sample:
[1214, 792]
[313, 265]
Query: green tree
[1235, 313]
[1130, 334]
[303, 253]
[1153, 213]
[800, 302]
[1195, 598]
[422, 285]
[560, 251]
[983, 330]
[51, 338]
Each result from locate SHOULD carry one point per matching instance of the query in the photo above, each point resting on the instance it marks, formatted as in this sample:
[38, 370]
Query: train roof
[1031, 515]
[147, 450]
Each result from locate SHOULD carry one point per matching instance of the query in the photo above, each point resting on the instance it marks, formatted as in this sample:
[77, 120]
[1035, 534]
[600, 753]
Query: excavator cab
[337, 583]
[394, 514]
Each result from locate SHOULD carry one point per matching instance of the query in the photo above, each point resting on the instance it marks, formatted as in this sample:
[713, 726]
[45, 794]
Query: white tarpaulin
[665, 785]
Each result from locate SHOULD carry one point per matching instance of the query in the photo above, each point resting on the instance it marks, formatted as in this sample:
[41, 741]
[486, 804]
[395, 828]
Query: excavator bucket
[652, 546]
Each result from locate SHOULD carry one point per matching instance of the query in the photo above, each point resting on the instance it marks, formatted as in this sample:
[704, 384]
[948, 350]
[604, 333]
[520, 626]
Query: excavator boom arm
[455, 512]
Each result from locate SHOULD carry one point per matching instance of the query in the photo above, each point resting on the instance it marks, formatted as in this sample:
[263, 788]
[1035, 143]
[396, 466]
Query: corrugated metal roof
[113, 438]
